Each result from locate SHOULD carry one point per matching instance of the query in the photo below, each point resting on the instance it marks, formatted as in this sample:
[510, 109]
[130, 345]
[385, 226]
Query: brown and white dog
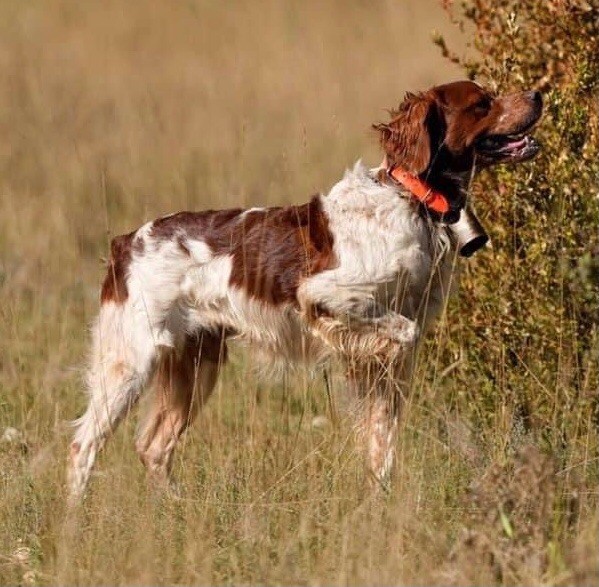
[358, 274]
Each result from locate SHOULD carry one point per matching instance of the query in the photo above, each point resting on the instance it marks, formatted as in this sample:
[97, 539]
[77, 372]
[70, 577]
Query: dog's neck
[449, 186]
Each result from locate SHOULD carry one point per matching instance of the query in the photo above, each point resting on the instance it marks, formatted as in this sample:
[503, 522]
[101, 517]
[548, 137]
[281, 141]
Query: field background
[114, 113]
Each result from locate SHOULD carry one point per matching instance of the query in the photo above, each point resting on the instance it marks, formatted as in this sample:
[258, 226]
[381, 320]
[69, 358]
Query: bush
[534, 300]
[528, 309]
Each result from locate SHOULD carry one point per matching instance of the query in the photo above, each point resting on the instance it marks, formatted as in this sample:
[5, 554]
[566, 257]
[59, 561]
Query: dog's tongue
[515, 144]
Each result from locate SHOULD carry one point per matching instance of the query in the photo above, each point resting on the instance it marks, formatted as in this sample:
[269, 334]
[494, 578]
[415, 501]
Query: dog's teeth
[517, 137]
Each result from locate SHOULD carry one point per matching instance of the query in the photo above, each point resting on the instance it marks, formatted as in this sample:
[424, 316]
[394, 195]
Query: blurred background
[113, 113]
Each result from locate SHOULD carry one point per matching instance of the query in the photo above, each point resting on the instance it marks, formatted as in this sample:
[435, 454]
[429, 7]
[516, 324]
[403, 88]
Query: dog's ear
[409, 138]
[384, 130]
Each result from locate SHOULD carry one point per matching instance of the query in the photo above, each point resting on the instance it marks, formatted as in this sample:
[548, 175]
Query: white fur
[387, 252]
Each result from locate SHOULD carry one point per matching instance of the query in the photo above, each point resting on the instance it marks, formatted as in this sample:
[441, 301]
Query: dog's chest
[397, 256]
[382, 244]
[385, 249]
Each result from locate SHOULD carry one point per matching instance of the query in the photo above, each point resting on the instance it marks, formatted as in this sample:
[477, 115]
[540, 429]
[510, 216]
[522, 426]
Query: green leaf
[506, 524]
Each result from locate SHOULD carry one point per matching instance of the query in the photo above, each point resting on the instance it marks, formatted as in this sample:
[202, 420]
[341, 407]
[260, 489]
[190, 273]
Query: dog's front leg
[378, 350]
[377, 386]
[375, 392]
[362, 337]
[398, 328]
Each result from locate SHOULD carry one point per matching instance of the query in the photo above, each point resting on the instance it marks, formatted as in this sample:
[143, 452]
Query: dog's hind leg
[124, 355]
[184, 381]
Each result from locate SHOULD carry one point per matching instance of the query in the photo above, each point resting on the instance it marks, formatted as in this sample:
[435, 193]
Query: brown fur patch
[407, 139]
[119, 369]
[114, 288]
[279, 247]
[272, 249]
[181, 367]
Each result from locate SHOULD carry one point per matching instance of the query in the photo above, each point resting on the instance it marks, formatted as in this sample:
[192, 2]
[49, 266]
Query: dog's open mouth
[517, 146]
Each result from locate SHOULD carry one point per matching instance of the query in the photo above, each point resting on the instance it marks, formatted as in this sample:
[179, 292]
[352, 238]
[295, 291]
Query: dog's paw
[400, 329]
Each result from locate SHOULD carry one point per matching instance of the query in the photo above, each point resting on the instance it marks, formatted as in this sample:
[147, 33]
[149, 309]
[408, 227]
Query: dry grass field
[114, 113]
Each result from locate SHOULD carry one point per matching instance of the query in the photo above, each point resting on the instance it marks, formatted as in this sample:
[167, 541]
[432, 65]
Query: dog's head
[452, 128]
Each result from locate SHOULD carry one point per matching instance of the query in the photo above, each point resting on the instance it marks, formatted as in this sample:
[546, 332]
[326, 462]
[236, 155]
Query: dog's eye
[482, 107]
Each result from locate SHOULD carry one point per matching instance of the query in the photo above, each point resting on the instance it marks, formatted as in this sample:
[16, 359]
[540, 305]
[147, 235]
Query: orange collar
[425, 194]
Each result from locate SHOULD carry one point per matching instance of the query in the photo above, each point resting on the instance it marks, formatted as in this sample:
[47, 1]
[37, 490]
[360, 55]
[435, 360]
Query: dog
[358, 274]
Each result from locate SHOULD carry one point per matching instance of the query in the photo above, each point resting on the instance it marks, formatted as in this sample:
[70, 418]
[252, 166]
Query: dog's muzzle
[468, 233]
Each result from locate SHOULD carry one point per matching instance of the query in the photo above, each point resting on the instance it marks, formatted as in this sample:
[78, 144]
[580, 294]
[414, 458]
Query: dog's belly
[274, 331]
